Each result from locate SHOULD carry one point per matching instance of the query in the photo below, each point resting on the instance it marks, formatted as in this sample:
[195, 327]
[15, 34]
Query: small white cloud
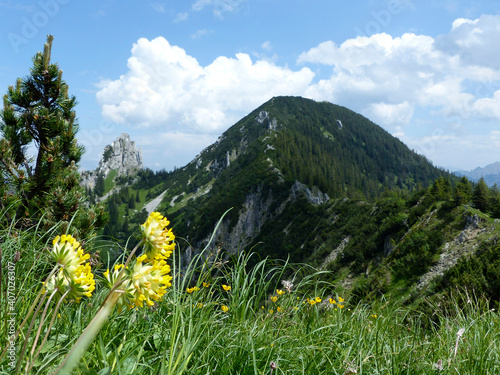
[391, 115]
[201, 33]
[473, 41]
[267, 46]
[181, 17]
[462, 21]
[219, 7]
[488, 107]
[158, 7]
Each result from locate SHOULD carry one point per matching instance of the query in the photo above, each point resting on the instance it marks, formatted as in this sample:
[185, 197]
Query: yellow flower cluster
[74, 276]
[159, 241]
[314, 301]
[193, 289]
[339, 304]
[149, 277]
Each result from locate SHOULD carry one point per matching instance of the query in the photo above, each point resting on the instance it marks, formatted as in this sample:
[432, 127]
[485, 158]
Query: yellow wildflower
[227, 288]
[111, 278]
[278, 309]
[312, 302]
[67, 252]
[274, 298]
[150, 281]
[206, 285]
[193, 289]
[341, 299]
[318, 300]
[225, 308]
[142, 283]
[279, 292]
[75, 274]
[159, 241]
[271, 311]
[332, 301]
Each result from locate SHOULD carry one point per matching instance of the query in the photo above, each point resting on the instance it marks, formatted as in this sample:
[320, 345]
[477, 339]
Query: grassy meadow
[220, 316]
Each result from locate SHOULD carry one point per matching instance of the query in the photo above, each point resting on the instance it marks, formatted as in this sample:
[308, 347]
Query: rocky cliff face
[122, 156]
[254, 213]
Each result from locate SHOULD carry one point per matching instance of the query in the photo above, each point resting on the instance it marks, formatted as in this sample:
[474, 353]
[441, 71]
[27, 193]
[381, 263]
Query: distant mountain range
[490, 174]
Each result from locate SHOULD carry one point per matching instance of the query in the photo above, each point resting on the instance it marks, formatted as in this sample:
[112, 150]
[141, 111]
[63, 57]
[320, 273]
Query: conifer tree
[463, 191]
[39, 115]
[480, 196]
[100, 187]
[131, 202]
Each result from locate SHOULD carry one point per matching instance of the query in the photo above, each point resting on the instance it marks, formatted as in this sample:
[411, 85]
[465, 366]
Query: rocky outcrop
[253, 215]
[333, 255]
[313, 195]
[464, 244]
[263, 119]
[121, 155]
[255, 212]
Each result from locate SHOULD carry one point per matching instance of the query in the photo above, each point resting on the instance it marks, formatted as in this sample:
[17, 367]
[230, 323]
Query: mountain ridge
[286, 143]
[316, 183]
[490, 173]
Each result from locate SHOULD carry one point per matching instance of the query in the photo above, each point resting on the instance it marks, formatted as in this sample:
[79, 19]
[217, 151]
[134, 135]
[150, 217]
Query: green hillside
[285, 140]
[316, 183]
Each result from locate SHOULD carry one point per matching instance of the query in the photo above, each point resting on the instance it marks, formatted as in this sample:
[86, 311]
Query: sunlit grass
[224, 317]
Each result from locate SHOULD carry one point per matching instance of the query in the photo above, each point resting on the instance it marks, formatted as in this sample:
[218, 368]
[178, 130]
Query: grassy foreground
[225, 318]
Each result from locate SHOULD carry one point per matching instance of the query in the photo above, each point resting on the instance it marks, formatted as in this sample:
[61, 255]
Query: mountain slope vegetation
[319, 184]
[323, 146]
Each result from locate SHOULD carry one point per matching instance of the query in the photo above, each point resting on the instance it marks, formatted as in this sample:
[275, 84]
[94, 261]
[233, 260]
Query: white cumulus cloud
[449, 73]
[165, 87]
[394, 115]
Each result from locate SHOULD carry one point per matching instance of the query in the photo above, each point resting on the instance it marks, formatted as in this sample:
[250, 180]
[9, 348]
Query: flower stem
[88, 334]
[41, 322]
[119, 278]
[54, 314]
[30, 310]
[23, 350]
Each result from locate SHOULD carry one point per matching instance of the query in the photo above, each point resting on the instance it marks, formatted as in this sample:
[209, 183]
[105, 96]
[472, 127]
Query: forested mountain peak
[320, 184]
[321, 144]
[287, 148]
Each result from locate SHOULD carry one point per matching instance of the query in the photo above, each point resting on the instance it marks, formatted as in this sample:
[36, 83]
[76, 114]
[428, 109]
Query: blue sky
[176, 74]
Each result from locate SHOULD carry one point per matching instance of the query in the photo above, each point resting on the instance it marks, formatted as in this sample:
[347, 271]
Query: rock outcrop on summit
[122, 156]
